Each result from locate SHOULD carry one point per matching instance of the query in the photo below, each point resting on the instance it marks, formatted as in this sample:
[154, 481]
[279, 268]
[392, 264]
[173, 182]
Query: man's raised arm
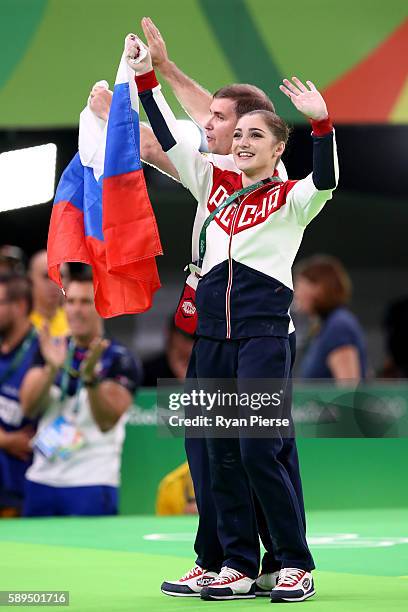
[194, 99]
[152, 153]
[100, 100]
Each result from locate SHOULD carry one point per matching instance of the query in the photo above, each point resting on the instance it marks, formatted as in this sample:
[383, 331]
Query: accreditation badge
[60, 439]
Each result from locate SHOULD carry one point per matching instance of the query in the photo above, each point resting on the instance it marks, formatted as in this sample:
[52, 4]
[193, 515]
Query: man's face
[219, 129]
[83, 320]
[45, 292]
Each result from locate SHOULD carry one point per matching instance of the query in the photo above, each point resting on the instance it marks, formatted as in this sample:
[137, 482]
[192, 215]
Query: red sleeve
[146, 81]
[322, 128]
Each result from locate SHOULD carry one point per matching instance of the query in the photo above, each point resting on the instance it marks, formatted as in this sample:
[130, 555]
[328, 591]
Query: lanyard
[235, 196]
[67, 370]
[19, 356]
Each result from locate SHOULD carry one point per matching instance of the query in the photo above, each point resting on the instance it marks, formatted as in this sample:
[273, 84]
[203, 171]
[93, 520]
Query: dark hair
[396, 328]
[247, 98]
[275, 124]
[14, 258]
[81, 274]
[334, 281]
[18, 287]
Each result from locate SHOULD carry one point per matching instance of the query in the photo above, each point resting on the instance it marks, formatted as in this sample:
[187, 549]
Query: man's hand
[137, 55]
[157, 46]
[53, 350]
[310, 102]
[195, 99]
[96, 348]
[17, 443]
[100, 100]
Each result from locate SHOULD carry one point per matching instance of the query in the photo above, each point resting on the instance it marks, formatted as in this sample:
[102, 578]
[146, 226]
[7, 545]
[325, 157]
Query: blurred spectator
[82, 386]
[336, 347]
[18, 346]
[176, 493]
[12, 260]
[173, 362]
[47, 297]
[396, 332]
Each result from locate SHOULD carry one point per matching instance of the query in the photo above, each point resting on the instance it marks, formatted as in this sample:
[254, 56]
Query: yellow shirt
[175, 491]
[58, 324]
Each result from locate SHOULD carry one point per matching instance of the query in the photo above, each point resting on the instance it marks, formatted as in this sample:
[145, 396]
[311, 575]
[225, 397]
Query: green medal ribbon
[68, 371]
[235, 196]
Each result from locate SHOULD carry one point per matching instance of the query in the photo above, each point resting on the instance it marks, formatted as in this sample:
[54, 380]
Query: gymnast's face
[255, 149]
[219, 129]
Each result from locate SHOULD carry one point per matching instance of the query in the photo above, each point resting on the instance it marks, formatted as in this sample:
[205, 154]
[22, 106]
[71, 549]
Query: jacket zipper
[229, 285]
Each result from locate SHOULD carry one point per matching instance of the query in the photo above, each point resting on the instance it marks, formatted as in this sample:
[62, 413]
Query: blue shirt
[12, 470]
[340, 328]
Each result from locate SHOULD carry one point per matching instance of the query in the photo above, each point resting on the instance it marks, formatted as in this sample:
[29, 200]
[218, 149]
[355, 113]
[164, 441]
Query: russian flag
[102, 214]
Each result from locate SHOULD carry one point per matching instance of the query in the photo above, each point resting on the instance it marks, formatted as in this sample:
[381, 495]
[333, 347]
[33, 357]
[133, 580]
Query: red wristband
[146, 81]
[322, 127]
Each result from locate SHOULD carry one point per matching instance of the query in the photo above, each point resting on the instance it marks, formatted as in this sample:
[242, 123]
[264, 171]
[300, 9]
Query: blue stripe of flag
[92, 205]
[122, 153]
[71, 185]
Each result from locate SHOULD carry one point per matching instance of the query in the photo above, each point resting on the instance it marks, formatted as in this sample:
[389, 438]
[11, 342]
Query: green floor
[117, 564]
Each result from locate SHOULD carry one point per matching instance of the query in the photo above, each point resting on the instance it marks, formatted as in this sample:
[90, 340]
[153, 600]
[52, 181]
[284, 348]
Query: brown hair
[83, 274]
[275, 124]
[329, 273]
[18, 287]
[247, 98]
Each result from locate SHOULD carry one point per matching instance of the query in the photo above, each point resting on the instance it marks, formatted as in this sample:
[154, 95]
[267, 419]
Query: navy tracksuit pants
[244, 486]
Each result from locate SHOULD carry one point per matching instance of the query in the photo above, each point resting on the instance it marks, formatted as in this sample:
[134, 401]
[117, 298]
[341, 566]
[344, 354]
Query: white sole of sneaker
[289, 600]
[228, 597]
[172, 594]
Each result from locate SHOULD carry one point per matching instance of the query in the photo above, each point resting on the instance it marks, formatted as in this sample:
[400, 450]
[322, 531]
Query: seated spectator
[12, 260]
[47, 297]
[81, 386]
[337, 346]
[396, 332]
[18, 346]
[176, 493]
[173, 361]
